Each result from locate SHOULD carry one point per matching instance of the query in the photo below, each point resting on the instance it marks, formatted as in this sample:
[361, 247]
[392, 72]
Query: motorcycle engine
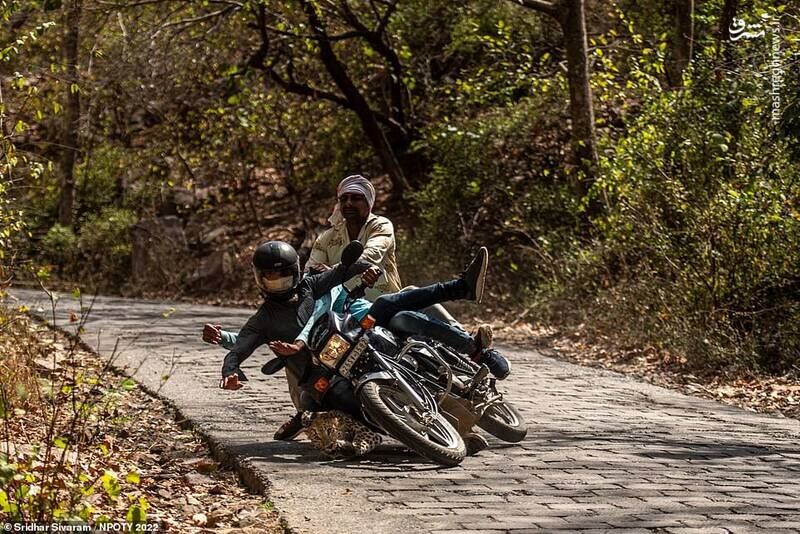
[383, 341]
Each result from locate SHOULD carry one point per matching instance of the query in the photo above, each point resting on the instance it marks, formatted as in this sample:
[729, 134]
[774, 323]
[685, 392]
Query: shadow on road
[386, 457]
[676, 448]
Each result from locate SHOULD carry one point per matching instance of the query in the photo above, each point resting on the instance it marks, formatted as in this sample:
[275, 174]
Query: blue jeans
[417, 323]
[387, 306]
[399, 311]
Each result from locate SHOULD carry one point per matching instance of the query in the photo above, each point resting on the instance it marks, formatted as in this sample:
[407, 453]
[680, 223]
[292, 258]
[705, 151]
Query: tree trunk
[72, 110]
[725, 20]
[359, 104]
[682, 42]
[584, 139]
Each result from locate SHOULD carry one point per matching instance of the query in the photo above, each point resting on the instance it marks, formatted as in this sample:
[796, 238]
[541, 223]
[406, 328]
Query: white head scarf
[352, 184]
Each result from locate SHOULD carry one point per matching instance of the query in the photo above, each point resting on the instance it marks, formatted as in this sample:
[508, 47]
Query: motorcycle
[389, 395]
[464, 389]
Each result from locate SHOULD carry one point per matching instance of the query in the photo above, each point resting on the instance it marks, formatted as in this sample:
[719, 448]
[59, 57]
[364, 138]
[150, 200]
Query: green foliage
[111, 484]
[49, 474]
[98, 178]
[59, 245]
[105, 242]
[99, 254]
[697, 234]
[12, 226]
[702, 232]
[487, 187]
[137, 513]
[505, 61]
[12, 221]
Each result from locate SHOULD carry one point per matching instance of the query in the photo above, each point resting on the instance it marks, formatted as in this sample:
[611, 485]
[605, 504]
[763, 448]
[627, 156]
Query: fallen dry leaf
[148, 442]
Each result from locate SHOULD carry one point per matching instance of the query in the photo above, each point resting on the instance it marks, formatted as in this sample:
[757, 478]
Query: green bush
[105, 243]
[59, 245]
[701, 238]
[488, 188]
[12, 224]
[98, 178]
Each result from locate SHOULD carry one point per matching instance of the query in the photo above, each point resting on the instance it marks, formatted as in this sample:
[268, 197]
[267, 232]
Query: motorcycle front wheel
[435, 438]
[502, 420]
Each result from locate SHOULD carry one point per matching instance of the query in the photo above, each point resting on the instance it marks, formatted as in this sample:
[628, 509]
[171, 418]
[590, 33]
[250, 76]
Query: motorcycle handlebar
[359, 291]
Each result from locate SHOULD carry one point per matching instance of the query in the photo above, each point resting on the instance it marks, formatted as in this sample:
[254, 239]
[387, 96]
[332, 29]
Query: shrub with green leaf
[59, 245]
[487, 187]
[701, 235]
[105, 244]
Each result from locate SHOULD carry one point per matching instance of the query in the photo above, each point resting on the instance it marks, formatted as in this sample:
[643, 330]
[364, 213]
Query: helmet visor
[275, 280]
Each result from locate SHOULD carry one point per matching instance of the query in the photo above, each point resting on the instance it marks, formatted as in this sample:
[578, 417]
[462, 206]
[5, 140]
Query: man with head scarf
[353, 219]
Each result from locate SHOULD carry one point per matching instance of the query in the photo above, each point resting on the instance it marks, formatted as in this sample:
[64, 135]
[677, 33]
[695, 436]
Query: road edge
[246, 473]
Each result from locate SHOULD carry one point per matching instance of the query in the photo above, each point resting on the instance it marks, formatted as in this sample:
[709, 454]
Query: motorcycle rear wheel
[503, 420]
[439, 442]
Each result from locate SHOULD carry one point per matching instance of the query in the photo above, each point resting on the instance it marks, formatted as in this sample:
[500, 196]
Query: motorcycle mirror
[351, 253]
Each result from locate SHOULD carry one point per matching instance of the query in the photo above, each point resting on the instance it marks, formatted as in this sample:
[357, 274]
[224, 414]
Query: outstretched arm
[214, 334]
[228, 339]
[252, 336]
[284, 349]
[322, 283]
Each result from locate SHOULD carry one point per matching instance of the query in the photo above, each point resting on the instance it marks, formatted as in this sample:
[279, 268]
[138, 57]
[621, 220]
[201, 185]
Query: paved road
[604, 452]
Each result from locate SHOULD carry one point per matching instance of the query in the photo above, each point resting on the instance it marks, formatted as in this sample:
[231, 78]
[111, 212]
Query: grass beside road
[79, 442]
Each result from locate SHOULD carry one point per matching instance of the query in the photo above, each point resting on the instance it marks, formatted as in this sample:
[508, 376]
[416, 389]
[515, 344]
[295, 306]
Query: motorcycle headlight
[335, 348]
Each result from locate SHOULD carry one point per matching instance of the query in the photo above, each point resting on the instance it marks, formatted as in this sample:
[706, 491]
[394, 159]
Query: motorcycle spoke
[433, 431]
[440, 435]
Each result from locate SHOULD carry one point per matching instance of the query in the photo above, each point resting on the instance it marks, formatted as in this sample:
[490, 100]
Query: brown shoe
[291, 428]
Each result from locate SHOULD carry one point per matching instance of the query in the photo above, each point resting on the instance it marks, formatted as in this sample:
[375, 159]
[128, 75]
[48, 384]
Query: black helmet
[276, 257]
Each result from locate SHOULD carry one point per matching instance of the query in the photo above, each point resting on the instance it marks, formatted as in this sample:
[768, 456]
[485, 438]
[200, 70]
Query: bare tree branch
[330, 38]
[540, 5]
[126, 5]
[258, 60]
[391, 7]
[360, 106]
[222, 12]
[376, 42]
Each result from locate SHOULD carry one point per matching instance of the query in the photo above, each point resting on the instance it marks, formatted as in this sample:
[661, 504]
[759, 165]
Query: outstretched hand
[282, 348]
[370, 276]
[231, 382]
[212, 333]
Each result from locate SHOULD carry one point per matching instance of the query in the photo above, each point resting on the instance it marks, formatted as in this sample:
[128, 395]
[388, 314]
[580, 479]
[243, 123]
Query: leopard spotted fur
[338, 435]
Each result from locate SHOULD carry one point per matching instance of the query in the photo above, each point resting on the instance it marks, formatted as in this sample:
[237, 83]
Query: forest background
[633, 166]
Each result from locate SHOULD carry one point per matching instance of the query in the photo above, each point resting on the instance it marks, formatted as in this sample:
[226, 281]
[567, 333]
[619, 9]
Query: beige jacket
[377, 235]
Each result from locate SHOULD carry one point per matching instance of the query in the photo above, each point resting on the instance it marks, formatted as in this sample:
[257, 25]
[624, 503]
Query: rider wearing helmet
[276, 267]
[288, 304]
[289, 300]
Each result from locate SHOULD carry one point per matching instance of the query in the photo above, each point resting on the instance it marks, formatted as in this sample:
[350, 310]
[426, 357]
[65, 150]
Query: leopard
[338, 434]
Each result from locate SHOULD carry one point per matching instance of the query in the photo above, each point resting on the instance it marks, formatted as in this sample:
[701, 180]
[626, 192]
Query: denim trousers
[417, 323]
[399, 311]
[386, 306]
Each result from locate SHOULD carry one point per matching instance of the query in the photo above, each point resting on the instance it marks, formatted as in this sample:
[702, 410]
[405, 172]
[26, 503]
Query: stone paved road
[604, 452]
